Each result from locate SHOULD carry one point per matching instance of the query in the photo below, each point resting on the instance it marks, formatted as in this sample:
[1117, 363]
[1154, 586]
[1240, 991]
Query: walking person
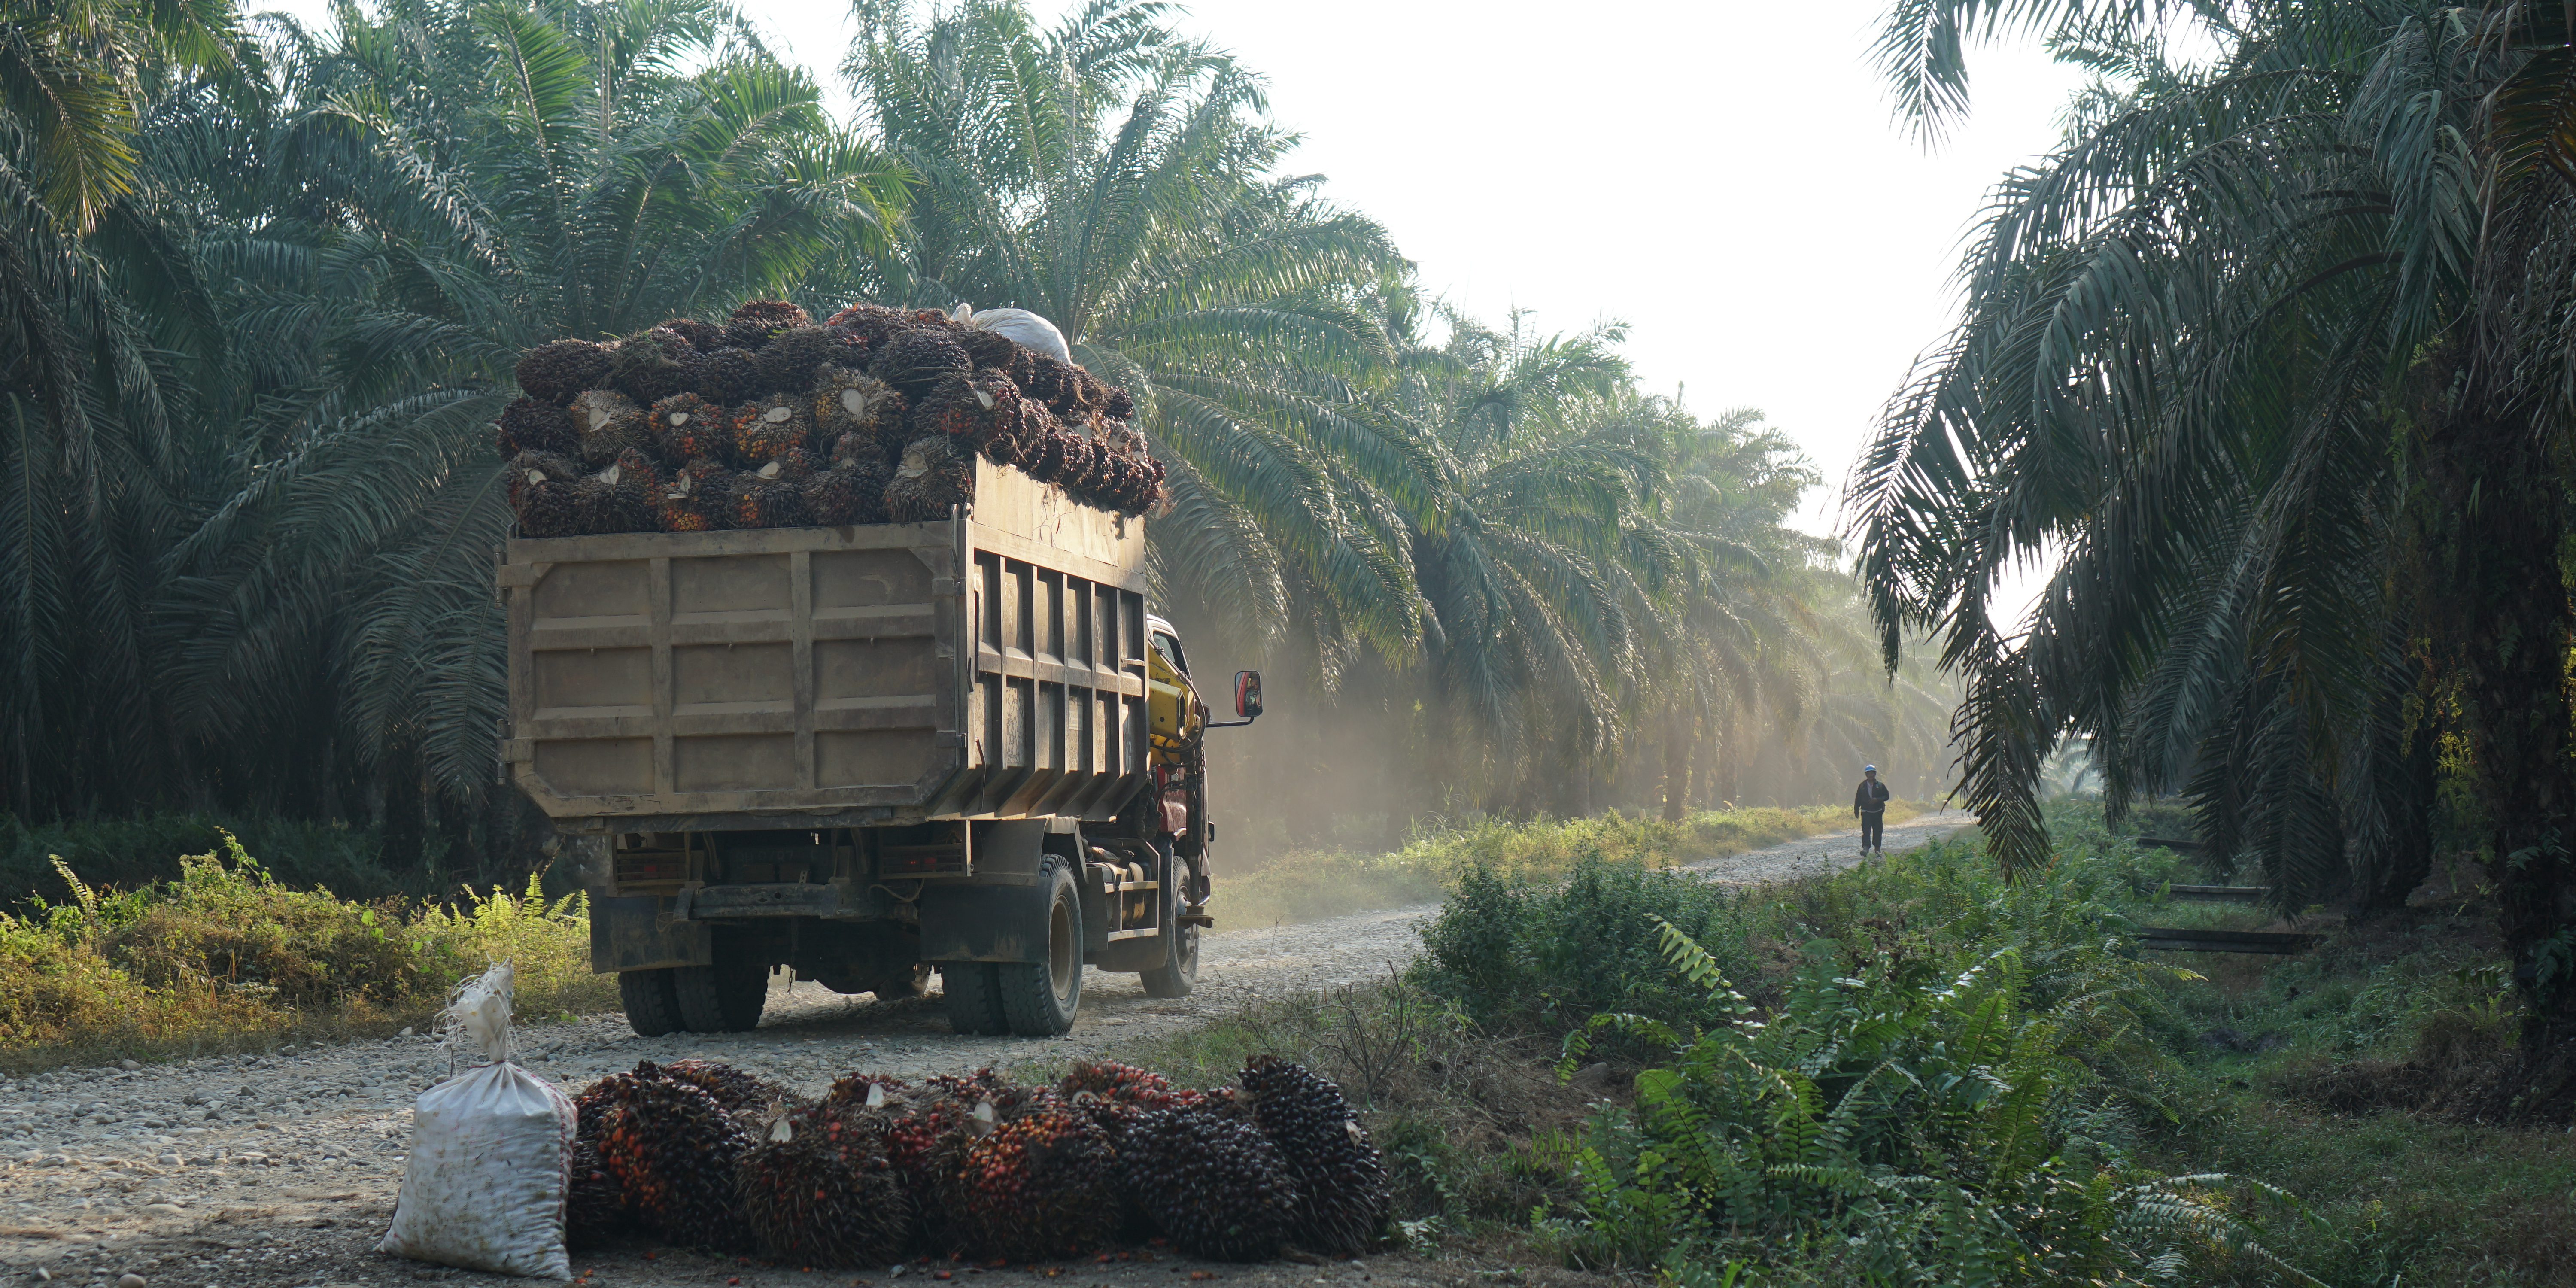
[1870, 804]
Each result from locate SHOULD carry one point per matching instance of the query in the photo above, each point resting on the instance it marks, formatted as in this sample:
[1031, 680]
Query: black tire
[1040, 998]
[1179, 972]
[652, 1005]
[974, 998]
[724, 998]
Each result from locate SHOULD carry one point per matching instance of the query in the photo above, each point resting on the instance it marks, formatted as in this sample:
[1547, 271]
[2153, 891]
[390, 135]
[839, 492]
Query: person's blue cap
[1869, 769]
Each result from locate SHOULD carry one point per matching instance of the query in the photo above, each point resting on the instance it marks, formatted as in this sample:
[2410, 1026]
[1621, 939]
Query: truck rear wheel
[652, 1005]
[974, 998]
[1040, 998]
[724, 998]
[1179, 972]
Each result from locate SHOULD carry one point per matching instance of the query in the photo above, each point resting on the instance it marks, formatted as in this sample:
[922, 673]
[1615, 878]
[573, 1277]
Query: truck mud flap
[645, 932]
[986, 923]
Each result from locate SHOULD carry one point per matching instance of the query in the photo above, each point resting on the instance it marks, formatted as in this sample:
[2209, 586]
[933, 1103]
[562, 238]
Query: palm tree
[2272, 350]
[97, 323]
[438, 187]
[1120, 181]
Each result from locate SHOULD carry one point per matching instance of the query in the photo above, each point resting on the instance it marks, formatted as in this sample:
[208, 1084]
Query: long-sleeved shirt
[1871, 798]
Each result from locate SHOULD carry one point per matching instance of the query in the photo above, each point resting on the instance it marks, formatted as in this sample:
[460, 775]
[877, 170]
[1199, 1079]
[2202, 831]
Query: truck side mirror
[1247, 694]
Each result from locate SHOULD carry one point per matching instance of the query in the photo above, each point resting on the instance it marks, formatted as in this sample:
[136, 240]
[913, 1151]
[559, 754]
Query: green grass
[227, 957]
[1308, 885]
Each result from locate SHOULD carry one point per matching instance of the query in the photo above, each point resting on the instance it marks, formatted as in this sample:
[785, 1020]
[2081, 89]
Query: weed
[226, 956]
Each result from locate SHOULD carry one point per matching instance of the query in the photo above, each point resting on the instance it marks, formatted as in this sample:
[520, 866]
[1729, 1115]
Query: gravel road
[279, 1171]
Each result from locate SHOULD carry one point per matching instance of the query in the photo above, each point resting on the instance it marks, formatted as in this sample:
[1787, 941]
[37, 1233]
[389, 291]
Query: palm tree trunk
[2502, 628]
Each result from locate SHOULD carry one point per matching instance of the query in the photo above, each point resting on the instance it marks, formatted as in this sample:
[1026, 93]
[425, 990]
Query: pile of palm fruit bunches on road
[707, 1156]
[771, 421]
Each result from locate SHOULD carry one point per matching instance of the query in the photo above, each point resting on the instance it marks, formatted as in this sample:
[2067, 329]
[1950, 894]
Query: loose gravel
[280, 1170]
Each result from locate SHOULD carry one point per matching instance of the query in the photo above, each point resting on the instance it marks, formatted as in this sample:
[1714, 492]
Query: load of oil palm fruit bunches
[876, 1171]
[772, 421]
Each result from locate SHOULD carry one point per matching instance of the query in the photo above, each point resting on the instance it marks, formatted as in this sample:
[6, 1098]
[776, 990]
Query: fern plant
[1913, 1121]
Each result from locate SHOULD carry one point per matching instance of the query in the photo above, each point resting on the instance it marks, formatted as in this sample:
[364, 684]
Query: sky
[1727, 178]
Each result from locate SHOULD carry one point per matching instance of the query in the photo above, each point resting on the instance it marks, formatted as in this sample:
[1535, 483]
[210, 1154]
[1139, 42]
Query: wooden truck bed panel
[803, 677]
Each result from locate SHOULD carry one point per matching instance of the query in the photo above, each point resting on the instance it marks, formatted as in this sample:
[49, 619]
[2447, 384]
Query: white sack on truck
[491, 1153]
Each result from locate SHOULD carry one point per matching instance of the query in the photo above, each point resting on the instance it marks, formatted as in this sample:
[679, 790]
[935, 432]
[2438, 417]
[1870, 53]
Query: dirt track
[279, 1171]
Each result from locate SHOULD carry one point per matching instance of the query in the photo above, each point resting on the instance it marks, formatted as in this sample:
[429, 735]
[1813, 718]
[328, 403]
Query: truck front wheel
[1040, 998]
[652, 1005]
[1179, 972]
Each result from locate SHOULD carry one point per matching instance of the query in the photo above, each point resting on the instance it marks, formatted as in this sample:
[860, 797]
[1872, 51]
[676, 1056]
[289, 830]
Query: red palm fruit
[688, 427]
[770, 427]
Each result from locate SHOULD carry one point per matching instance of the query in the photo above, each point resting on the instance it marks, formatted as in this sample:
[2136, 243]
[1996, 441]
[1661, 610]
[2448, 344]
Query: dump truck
[867, 754]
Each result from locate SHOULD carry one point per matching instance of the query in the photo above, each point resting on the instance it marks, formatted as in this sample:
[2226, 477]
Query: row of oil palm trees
[2272, 355]
[266, 285]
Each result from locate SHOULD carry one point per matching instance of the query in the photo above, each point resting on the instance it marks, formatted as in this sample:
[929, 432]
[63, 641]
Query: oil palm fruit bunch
[849, 493]
[849, 401]
[1211, 1181]
[700, 497]
[594, 1207]
[772, 496]
[1078, 395]
[999, 351]
[652, 365]
[820, 1191]
[872, 324]
[769, 428]
[1118, 405]
[1048, 376]
[527, 425]
[937, 472]
[625, 497]
[1342, 1190]
[1042, 1184]
[872, 1090]
[1084, 464]
[672, 1150]
[735, 1089]
[595, 409]
[703, 337]
[913, 360]
[544, 493]
[1045, 461]
[729, 376]
[789, 360]
[555, 371]
[756, 321]
[688, 426]
[1121, 1082]
[973, 406]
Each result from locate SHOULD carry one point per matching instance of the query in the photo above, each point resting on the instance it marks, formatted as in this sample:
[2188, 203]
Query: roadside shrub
[1916, 1121]
[1518, 953]
[226, 955]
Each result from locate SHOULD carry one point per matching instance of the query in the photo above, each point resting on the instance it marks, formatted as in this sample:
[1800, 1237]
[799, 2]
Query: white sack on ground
[491, 1153]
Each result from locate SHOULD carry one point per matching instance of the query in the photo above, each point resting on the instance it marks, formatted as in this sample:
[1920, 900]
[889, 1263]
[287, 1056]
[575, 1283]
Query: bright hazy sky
[1725, 177]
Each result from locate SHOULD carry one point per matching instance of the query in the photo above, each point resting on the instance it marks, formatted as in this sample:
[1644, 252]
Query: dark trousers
[1873, 828]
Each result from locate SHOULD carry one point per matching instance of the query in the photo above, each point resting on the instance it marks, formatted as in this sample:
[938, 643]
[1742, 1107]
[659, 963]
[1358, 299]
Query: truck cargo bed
[991, 666]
